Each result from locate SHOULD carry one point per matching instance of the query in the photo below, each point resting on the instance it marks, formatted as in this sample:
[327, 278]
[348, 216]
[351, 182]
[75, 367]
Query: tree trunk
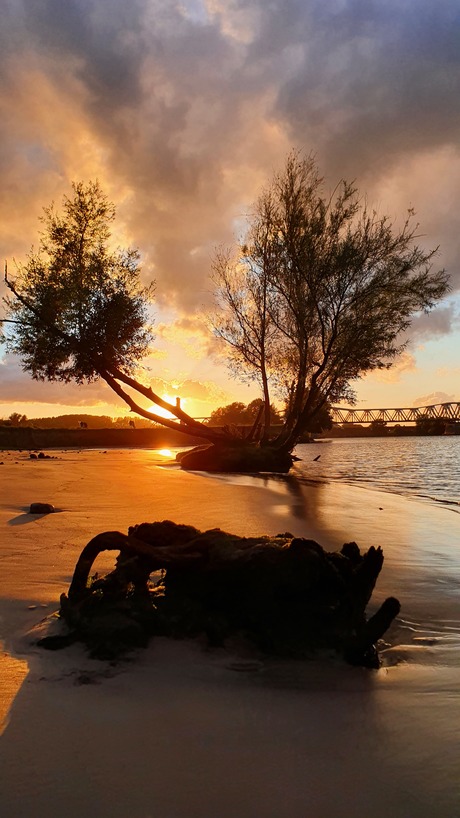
[267, 408]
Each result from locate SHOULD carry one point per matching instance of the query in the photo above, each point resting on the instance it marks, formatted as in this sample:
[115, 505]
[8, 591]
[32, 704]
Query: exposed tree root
[285, 594]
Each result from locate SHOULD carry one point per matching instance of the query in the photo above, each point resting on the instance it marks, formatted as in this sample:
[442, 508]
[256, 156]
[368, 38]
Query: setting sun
[165, 413]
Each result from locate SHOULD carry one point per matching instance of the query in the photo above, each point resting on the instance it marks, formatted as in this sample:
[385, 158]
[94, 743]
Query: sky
[184, 110]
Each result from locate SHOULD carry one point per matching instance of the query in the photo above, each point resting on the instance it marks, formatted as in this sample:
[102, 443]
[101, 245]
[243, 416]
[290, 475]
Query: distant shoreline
[29, 438]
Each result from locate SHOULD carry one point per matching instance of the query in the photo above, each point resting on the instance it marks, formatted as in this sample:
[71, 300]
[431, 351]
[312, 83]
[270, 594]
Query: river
[427, 468]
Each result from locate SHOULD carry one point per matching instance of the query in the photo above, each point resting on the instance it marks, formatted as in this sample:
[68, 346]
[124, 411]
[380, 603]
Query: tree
[77, 310]
[244, 320]
[232, 413]
[430, 426]
[378, 428]
[238, 413]
[321, 422]
[319, 293]
[254, 407]
[16, 419]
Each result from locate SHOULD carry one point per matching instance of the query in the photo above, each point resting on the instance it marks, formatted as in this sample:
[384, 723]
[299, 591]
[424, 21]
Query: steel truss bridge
[445, 411]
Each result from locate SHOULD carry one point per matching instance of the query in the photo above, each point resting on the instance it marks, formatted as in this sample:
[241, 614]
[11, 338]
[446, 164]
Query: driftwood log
[284, 594]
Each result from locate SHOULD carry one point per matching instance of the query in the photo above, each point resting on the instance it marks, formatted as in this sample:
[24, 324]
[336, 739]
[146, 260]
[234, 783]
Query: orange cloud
[404, 363]
[190, 334]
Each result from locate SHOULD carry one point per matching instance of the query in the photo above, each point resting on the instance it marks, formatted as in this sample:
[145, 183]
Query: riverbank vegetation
[80, 421]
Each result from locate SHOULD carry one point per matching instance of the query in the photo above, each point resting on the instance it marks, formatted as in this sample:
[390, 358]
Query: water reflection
[423, 467]
[298, 501]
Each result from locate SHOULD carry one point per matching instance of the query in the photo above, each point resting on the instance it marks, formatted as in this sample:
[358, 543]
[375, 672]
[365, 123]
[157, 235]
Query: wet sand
[180, 731]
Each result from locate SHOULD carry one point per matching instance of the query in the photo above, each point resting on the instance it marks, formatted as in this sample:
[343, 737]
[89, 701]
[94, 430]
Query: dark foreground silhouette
[286, 595]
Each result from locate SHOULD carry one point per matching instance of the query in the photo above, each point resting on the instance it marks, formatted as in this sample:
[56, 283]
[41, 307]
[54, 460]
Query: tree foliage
[321, 421]
[430, 426]
[238, 413]
[319, 293]
[15, 419]
[77, 309]
[76, 303]
[316, 296]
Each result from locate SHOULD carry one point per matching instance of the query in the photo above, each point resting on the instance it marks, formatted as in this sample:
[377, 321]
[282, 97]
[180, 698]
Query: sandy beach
[182, 731]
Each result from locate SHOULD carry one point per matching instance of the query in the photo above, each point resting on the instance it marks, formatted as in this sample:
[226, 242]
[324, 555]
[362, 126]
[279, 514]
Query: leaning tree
[77, 310]
[319, 293]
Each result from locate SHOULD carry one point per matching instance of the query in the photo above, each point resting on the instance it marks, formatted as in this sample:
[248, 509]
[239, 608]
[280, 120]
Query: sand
[180, 731]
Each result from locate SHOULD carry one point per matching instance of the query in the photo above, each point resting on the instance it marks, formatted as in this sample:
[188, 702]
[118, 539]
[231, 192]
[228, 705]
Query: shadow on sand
[26, 517]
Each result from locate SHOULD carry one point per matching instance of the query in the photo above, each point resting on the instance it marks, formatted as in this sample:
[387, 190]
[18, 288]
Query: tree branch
[205, 432]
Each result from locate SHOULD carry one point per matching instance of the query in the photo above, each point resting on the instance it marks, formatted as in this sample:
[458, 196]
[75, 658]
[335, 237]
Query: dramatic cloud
[183, 111]
[191, 334]
[433, 398]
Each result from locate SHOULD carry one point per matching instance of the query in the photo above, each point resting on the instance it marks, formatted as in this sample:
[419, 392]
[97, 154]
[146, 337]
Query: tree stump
[286, 595]
[246, 458]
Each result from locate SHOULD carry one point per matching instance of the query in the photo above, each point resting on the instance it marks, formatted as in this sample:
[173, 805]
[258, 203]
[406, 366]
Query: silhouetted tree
[238, 413]
[321, 422]
[254, 407]
[430, 426]
[317, 296]
[77, 310]
[319, 293]
[378, 428]
[16, 419]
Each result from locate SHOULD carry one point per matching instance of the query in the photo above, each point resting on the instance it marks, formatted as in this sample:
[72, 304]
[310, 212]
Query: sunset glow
[164, 413]
[242, 602]
[181, 190]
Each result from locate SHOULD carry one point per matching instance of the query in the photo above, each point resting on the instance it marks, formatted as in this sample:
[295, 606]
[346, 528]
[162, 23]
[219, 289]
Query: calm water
[424, 467]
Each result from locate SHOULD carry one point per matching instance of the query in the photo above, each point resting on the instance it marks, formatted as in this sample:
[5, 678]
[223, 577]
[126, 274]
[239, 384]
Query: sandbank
[181, 731]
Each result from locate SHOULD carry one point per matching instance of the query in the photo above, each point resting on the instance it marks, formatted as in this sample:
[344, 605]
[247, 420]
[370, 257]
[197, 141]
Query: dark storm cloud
[105, 38]
[184, 109]
[375, 80]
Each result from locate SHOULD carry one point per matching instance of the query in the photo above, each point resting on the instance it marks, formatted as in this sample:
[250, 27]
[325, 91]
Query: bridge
[444, 411]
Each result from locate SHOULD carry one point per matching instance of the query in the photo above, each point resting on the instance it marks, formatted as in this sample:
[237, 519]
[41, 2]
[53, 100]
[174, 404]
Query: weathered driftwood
[285, 594]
